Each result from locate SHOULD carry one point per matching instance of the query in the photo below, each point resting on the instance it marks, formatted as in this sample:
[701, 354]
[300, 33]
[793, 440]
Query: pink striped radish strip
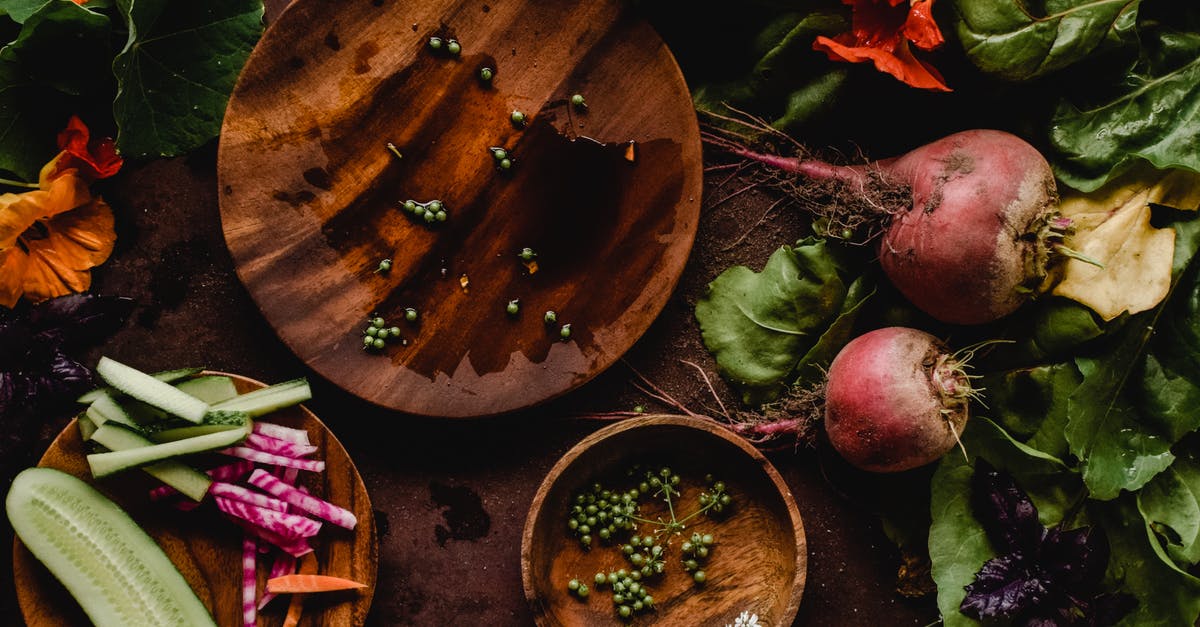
[290, 475]
[312, 465]
[311, 504]
[276, 446]
[280, 432]
[238, 493]
[284, 564]
[295, 548]
[289, 526]
[249, 581]
[228, 472]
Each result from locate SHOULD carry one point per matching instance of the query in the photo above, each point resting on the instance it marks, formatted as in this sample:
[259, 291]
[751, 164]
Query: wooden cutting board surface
[310, 193]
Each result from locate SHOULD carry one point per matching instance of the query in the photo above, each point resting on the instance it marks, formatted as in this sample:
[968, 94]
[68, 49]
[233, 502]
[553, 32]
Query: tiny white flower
[746, 619]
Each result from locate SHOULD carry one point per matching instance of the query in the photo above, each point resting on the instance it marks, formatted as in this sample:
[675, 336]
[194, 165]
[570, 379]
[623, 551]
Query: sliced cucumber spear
[104, 464]
[166, 376]
[187, 480]
[116, 572]
[150, 390]
[268, 399]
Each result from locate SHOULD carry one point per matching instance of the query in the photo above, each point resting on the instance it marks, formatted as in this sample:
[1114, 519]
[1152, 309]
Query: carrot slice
[302, 583]
[307, 566]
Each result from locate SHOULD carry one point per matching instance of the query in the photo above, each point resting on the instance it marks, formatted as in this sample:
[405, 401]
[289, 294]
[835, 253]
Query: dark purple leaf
[1008, 516]
[79, 319]
[1076, 558]
[63, 379]
[1004, 587]
[1042, 577]
[10, 393]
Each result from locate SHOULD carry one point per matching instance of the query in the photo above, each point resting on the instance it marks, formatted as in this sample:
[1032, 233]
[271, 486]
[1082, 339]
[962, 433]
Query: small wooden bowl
[207, 549]
[758, 563]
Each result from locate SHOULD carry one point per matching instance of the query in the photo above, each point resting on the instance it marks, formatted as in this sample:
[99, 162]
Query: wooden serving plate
[310, 194]
[759, 561]
[207, 549]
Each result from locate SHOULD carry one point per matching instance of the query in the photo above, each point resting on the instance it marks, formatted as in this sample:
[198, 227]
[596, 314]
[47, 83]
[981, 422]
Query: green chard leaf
[1016, 41]
[1170, 504]
[1151, 116]
[1137, 399]
[762, 326]
[1166, 596]
[177, 69]
[20, 10]
[789, 78]
[958, 544]
[1032, 403]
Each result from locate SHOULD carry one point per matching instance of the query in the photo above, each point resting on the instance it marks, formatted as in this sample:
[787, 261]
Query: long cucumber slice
[189, 481]
[149, 390]
[268, 399]
[116, 572]
[104, 464]
[105, 409]
[209, 388]
[166, 376]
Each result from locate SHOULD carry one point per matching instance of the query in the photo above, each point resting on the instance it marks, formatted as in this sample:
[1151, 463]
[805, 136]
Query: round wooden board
[759, 561]
[207, 549]
[310, 195]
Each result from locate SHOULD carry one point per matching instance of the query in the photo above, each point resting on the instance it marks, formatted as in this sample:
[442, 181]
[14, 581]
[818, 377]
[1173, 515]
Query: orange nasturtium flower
[51, 237]
[881, 31]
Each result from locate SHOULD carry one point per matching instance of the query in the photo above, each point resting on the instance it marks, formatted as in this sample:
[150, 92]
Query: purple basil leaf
[1043, 621]
[64, 378]
[1008, 515]
[79, 319]
[1076, 559]
[1003, 587]
[16, 340]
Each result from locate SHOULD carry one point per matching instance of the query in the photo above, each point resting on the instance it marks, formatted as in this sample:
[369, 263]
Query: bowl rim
[704, 425]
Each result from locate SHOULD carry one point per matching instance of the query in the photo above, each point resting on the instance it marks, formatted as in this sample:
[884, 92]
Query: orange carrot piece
[285, 584]
[307, 566]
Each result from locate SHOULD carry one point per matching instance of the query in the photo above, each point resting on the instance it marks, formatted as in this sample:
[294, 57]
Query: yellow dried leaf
[1113, 227]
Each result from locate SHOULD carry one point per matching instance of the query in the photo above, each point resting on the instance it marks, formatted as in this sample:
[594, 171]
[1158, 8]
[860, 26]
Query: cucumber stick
[268, 399]
[149, 390]
[105, 409]
[104, 464]
[189, 481]
[209, 388]
[116, 572]
[166, 376]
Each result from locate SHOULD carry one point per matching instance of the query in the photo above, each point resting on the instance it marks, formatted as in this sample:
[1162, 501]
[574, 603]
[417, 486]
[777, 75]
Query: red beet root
[976, 227]
[895, 400]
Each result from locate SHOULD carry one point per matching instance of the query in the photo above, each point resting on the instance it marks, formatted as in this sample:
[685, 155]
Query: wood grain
[207, 548]
[759, 560]
[310, 194]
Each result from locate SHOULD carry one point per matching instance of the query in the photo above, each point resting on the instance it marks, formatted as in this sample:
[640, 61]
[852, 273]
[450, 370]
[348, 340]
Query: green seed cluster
[450, 46]
[611, 514]
[377, 334]
[431, 212]
[695, 553]
[503, 158]
[518, 119]
[715, 501]
[629, 595]
[601, 513]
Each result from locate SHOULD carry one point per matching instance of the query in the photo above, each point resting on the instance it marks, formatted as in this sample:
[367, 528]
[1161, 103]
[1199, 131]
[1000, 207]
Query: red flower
[93, 159]
[881, 31]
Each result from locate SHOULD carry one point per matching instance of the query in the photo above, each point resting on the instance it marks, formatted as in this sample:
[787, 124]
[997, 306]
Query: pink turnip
[895, 399]
[967, 226]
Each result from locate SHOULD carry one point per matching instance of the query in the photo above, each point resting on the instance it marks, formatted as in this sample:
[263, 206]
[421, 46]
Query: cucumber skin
[104, 464]
[109, 530]
[166, 376]
[146, 388]
[266, 400]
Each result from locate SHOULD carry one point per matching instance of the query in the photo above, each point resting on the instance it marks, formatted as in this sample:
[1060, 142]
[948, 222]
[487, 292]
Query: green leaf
[31, 115]
[1152, 117]
[65, 46]
[1166, 596]
[789, 79]
[759, 326]
[958, 545]
[812, 366]
[1032, 402]
[20, 10]
[177, 70]
[1170, 503]
[1016, 41]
